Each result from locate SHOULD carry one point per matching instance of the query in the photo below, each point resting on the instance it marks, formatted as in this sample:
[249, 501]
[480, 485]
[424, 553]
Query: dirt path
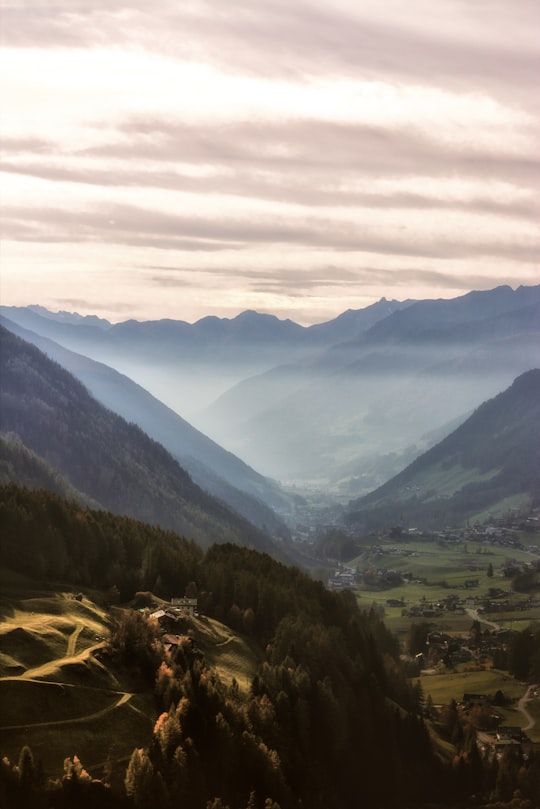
[73, 638]
[46, 669]
[123, 698]
[523, 702]
[227, 640]
[476, 617]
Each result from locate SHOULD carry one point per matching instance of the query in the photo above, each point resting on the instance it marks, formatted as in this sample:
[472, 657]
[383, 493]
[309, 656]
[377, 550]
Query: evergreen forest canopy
[330, 720]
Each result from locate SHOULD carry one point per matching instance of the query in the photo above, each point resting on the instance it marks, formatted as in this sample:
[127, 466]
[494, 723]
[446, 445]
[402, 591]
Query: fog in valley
[341, 406]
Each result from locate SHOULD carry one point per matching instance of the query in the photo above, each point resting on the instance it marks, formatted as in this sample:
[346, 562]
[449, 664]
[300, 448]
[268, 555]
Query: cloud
[450, 44]
[135, 226]
[396, 141]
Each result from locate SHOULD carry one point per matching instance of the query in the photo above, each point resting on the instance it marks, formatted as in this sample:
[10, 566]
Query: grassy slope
[61, 700]
[56, 695]
[231, 655]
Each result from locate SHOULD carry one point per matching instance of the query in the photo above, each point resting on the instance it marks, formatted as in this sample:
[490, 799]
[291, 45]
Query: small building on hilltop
[186, 605]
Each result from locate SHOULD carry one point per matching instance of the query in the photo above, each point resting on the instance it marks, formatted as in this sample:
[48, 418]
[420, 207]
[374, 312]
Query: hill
[112, 462]
[488, 464]
[280, 693]
[321, 696]
[17, 463]
[215, 470]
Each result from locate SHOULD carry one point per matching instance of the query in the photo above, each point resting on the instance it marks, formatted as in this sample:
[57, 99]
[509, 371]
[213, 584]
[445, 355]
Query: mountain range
[350, 417]
[188, 365]
[341, 406]
[214, 469]
[70, 438]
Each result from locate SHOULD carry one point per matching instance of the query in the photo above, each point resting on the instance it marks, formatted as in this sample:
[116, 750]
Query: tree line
[330, 720]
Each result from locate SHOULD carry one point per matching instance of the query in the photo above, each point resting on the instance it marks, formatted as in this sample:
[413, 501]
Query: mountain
[488, 464]
[17, 463]
[277, 694]
[185, 365]
[110, 461]
[213, 469]
[341, 406]
[357, 413]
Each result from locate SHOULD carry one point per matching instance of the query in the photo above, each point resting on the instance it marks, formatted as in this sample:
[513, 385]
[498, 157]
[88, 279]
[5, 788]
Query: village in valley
[457, 598]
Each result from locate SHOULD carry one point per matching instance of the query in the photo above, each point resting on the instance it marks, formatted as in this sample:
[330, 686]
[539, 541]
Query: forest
[331, 719]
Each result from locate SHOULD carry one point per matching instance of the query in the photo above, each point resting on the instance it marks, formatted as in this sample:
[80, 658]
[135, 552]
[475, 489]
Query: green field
[437, 570]
[444, 687]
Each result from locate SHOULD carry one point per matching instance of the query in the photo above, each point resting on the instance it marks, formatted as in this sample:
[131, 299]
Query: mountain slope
[103, 456]
[17, 463]
[188, 365]
[213, 469]
[381, 393]
[485, 464]
[299, 407]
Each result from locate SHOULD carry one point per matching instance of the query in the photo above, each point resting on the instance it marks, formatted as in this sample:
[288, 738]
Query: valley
[354, 515]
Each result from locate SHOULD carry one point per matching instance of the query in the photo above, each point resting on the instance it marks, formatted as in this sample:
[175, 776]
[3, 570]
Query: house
[170, 641]
[342, 580]
[474, 699]
[506, 732]
[504, 744]
[186, 605]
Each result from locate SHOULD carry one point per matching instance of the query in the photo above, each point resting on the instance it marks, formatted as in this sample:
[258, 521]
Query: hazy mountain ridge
[100, 454]
[423, 317]
[384, 391]
[188, 365]
[492, 457]
[352, 410]
[214, 469]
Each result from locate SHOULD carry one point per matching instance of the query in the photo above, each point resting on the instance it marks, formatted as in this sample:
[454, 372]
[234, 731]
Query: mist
[341, 407]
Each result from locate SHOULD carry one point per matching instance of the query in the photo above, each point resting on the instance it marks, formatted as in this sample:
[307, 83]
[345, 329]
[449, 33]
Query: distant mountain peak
[74, 318]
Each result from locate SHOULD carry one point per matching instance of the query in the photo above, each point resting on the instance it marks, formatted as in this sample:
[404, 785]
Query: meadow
[56, 694]
[437, 569]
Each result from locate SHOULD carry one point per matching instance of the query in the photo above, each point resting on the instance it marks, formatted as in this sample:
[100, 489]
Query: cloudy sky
[299, 157]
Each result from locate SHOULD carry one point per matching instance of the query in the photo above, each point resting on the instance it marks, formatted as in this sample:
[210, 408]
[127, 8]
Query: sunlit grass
[231, 655]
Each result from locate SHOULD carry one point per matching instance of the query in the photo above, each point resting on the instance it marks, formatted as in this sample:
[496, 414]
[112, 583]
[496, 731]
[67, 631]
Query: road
[477, 617]
[527, 696]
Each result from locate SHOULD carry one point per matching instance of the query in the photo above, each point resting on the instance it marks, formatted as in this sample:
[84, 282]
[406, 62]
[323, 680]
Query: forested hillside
[328, 721]
[110, 461]
[329, 716]
[218, 472]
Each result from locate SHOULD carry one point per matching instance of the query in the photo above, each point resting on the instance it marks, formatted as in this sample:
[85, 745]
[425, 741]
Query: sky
[201, 157]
